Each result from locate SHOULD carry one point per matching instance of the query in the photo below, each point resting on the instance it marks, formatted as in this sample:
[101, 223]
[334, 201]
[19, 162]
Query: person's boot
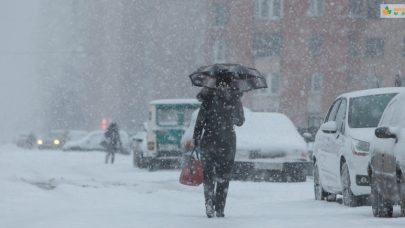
[220, 213]
[209, 209]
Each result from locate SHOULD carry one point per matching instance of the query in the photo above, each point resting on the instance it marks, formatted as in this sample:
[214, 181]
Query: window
[316, 8]
[219, 51]
[273, 83]
[373, 8]
[374, 47]
[332, 111]
[372, 81]
[357, 8]
[167, 117]
[265, 45]
[316, 83]
[403, 47]
[221, 15]
[354, 44]
[314, 120]
[366, 111]
[315, 44]
[269, 9]
[387, 115]
[341, 116]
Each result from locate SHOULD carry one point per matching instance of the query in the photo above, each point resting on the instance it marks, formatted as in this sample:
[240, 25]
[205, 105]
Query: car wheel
[320, 194]
[301, 175]
[380, 206]
[331, 197]
[349, 199]
[153, 165]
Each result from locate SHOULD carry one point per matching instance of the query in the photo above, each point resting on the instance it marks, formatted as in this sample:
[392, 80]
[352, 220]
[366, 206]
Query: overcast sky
[18, 88]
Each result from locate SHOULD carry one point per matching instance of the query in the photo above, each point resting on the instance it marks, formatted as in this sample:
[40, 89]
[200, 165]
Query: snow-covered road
[41, 189]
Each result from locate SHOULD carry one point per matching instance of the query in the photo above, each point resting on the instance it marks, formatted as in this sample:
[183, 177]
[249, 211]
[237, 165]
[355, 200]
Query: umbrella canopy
[237, 76]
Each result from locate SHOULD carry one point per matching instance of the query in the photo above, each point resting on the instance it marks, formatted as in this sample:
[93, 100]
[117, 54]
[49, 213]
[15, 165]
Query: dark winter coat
[112, 136]
[219, 112]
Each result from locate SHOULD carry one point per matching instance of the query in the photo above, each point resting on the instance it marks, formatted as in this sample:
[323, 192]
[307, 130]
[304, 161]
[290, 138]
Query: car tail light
[151, 146]
[304, 156]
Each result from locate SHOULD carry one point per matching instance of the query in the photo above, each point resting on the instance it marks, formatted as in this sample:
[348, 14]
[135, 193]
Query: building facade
[309, 50]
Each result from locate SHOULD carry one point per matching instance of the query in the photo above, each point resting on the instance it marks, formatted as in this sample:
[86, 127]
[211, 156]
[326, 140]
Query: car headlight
[56, 142]
[361, 148]
[40, 142]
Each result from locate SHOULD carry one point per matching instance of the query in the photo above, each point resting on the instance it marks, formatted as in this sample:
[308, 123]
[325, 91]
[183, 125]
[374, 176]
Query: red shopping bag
[192, 172]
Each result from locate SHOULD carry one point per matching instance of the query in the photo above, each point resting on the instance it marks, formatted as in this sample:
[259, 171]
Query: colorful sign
[392, 11]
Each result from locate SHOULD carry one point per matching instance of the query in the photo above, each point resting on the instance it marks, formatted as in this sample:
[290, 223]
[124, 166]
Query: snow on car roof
[367, 92]
[265, 131]
[175, 101]
[268, 131]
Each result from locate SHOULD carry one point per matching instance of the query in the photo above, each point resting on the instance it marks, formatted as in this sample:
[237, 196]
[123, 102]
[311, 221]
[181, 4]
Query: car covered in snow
[342, 144]
[387, 160]
[268, 147]
[93, 141]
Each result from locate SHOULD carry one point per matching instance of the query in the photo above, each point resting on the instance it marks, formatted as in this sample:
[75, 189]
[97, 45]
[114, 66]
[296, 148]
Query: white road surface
[55, 189]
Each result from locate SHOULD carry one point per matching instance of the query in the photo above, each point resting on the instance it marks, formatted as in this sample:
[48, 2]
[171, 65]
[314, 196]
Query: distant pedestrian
[398, 80]
[214, 132]
[112, 141]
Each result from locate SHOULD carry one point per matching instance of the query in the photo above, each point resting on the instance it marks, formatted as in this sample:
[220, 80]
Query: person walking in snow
[214, 134]
[112, 141]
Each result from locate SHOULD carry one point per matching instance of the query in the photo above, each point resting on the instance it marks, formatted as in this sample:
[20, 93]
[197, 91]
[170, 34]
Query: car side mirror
[329, 127]
[384, 133]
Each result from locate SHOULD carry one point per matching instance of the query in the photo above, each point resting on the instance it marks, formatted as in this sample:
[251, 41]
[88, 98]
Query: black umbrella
[240, 77]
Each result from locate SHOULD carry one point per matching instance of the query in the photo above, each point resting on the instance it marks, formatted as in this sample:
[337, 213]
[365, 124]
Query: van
[168, 119]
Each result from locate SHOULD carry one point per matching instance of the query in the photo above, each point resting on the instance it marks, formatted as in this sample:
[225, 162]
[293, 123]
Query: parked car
[93, 141]
[167, 121]
[387, 160]
[341, 147]
[268, 147]
[74, 135]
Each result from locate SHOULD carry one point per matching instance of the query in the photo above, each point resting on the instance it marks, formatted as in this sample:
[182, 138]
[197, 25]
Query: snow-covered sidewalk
[55, 189]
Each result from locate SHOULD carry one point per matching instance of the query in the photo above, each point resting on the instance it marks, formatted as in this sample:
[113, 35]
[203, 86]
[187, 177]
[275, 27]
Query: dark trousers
[217, 168]
[110, 152]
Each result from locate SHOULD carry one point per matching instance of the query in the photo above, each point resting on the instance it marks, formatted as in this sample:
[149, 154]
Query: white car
[268, 147]
[341, 147]
[387, 160]
[93, 141]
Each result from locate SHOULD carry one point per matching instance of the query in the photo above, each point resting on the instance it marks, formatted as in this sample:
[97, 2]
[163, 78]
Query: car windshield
[366, 111]
[167, 117]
